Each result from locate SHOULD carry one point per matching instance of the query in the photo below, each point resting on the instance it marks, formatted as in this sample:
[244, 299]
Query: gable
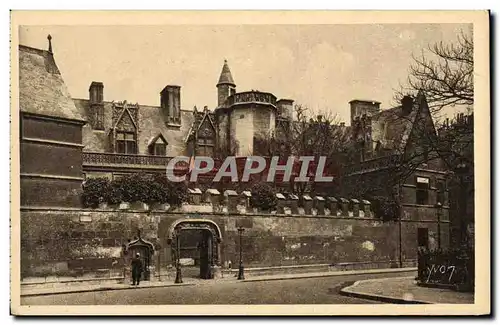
[206, 128]
[423, 132]
[125, 123]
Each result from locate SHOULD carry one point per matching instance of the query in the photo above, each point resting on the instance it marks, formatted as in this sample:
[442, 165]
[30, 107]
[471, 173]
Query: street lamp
[462, 168]
[439, 207]
[178, 271]
[241, 270]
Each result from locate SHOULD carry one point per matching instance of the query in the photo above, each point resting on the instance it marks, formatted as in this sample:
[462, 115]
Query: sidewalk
[104, 285]
[404, 290]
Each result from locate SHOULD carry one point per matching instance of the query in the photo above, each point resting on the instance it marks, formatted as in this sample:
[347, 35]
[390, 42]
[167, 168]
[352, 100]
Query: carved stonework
[126, 123]
[206, 130]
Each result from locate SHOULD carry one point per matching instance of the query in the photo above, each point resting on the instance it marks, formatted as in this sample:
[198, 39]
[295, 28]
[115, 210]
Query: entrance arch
[208, 245]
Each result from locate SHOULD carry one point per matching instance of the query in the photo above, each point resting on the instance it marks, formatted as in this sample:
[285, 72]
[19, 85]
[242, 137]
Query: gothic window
[205, 147]
[126, 142]
[422, 190]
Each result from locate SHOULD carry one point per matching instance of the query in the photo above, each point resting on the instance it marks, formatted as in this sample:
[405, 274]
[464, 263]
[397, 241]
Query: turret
[226, 86]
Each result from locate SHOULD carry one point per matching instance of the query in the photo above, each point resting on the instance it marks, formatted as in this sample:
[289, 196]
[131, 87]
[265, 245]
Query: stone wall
[75, 242]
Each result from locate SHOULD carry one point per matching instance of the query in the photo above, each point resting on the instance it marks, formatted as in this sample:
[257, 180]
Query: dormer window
[158, 146]
[126, 142]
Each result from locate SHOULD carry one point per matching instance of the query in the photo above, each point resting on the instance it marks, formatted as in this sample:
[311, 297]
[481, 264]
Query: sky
[322, 67]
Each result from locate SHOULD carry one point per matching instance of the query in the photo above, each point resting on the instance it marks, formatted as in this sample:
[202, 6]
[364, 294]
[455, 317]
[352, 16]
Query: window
[159, 147]
[440, 189]
[205, 147]
[422, 190]
[126, 143]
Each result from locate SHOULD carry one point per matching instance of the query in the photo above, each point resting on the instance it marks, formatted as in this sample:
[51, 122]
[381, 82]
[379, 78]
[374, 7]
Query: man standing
[136, 269]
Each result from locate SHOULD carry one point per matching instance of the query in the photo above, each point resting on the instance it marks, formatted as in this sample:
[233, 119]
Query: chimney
[285, 108]
[406, 105]
[360, 107]
[96, 105]
[96, 92]
[170, 102]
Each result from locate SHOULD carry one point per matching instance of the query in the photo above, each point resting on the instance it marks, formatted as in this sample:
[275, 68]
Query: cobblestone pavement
[406, 289]
[320, 290]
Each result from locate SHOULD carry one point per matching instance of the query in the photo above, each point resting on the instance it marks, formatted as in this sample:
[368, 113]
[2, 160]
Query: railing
[252, 96]
[101, 158]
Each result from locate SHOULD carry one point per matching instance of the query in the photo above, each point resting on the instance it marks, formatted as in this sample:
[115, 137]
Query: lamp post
[439, 207]
[462, 170]
[241, 270]
[178, 271]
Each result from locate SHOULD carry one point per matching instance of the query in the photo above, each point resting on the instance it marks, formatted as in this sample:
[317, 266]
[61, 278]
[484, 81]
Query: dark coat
[136, 265]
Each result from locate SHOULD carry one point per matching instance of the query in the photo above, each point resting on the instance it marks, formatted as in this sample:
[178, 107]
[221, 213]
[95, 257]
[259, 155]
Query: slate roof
[225, 76]
[396, 127]
[41, 87]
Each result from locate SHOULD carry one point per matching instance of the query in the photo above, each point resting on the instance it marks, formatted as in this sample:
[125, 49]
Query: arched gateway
[208, 244]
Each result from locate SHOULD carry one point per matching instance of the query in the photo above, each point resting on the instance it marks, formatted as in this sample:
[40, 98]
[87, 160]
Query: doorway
[195, 245]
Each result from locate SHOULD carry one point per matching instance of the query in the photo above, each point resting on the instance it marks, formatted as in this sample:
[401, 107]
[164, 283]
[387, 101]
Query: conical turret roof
[225, 76]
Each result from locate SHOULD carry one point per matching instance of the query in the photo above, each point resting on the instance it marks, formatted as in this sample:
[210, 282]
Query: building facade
[124, 137]
[65, 140]
[50, 133]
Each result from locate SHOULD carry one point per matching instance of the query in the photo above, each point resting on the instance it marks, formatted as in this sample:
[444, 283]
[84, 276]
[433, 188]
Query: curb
[104, 289]
[347, 291]
[297, 276]
[344, 273]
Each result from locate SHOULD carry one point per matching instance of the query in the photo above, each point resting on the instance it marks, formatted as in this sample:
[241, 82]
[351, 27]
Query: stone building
[393, 158]
[63, 140]
[50, 133]
[124, 137]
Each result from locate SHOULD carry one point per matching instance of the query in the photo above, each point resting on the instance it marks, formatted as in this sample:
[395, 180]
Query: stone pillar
[344, 205]
[194, 195]
[308, 203]
[355, 208]
[232, 200]
[293, 203]
[319, 205]
[366, 207]
[332, 204]
[212, 196]
[280, 206]
[245, 199]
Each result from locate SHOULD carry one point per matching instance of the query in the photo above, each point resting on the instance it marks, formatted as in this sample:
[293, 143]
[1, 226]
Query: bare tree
[308, 134]
[445, 73]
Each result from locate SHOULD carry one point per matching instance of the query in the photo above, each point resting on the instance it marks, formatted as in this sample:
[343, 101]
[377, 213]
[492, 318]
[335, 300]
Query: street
[323, 290]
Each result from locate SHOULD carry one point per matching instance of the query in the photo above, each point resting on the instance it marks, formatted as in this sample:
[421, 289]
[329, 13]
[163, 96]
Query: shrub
[263, 197]
[161, 190]
[94, 191]
[177, 193]
[114, 192]
[135, 188]
[385, 208]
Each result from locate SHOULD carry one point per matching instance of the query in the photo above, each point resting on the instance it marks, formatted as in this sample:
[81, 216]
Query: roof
[225, 75]
[41, 87]
[395, 126]
[364, 101]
